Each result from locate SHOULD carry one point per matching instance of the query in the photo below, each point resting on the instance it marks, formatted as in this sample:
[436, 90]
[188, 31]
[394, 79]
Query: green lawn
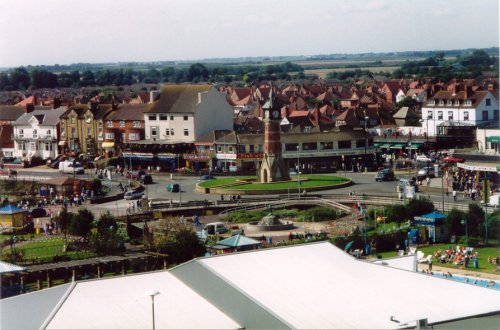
[484, 253]
[307, 181]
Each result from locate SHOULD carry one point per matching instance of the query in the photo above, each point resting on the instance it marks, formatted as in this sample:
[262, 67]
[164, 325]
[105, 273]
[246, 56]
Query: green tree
[88, 79]
[418, 206]
[475, 218]
[197, 71]
[108, 237]
[82, 223]
[63, 220]
[453, 222]
[43, 79]
[20, 78]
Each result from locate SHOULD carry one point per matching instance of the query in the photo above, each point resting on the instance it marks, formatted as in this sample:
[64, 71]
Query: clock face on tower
[276, 114]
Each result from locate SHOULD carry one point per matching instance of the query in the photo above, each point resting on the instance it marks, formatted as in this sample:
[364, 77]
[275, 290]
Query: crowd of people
[459, 256]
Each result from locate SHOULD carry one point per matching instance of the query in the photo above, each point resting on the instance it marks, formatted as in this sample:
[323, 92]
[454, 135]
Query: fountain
[270, 222]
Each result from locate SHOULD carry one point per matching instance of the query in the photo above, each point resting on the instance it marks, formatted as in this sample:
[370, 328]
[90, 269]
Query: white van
[69, 168]
[215, 228]
[494, 201]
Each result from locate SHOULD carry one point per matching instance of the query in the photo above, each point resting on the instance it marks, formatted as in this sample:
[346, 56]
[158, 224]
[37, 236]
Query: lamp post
[152, 294]
[366, 140]
[465, 222]
[409, 148]
[298, 167]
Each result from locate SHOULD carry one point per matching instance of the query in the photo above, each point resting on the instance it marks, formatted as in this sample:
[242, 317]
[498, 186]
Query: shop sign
[203, 157]
[226, 156]
[251, 155]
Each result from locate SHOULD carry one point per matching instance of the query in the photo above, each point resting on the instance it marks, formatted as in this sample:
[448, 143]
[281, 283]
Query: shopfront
[226, 162]
[249, 161]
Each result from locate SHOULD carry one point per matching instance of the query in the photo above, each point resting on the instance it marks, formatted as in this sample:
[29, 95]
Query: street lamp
[366, 140]
[298, 167]
[465, 222]
[152, 294]
[409, 167]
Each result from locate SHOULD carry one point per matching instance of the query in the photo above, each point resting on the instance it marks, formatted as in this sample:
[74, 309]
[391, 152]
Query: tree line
[21, 78]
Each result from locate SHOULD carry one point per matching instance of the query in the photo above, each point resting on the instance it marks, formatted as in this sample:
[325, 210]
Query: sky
[34, 32]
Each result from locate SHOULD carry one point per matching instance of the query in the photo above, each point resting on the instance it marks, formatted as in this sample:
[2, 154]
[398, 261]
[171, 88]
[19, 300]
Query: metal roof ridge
[58, 305]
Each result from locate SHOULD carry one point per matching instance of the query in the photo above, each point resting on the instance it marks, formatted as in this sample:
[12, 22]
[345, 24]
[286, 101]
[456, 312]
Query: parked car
[146, 179]
[173, 187]
[427, 171]
[423, 159]
[133, 194]
[451, 159]
[215, 228]
[206, 177]
[385, 175]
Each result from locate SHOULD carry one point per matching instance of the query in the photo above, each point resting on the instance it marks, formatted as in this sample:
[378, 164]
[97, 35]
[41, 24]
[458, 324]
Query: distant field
[323, 72]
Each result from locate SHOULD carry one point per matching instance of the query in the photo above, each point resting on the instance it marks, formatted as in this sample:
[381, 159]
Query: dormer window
[441, 102]
[109, 124]
[307, 129]
[468, 103]
[122, 123]
[457, 103]
[432, 102]
[88, 119]
[449, 103]
[73, 119]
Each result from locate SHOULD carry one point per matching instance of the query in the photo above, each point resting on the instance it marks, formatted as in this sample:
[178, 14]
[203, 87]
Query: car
[385, 175]
[146, 179]
[403, 182]
[215, 228]
[453, 160]
[423, 159]
[135, 175]
[206, 177]
[173, 187]
[427, 171]
[133, 194]
[70, 167]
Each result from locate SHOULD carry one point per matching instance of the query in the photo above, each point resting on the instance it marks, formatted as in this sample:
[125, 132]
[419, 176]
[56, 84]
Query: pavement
[461, 272]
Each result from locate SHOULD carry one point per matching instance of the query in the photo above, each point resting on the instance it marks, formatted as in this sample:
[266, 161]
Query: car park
[385, 175]
[173, 187]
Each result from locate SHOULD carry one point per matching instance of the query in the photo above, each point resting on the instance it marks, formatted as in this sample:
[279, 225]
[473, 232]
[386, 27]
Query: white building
[183, 113]
[309, 286]
[36, 134]
[465, 108]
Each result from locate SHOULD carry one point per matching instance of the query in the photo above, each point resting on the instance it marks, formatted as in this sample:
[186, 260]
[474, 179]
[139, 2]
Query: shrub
[319, 214]
[396, 213]
[244, 216]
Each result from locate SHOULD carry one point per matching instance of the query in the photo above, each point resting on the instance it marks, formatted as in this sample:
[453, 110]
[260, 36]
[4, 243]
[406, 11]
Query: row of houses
[222, 127]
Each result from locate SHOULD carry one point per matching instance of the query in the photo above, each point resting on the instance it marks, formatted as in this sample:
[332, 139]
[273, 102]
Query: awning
[493, 139]
[377, 144]
[62, 143]
[385, 145]
[415, 145]
[108, 144]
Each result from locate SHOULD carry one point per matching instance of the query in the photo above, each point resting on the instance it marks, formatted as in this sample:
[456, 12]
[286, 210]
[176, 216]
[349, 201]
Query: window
[73, 132]
[89, 132]
[163, 116]
[326, 145]
[49, 132]
[88, 119]
[110, 136]
[136, 123]
[429, 115]
[47, 146]
[154, 131]
[99, 123]
[346, 144]
[123, 137]
[152, 117]
[468, 102]
[219, 148]
[360, 143]
[109, 124]
[450, 115]
[431, 102]
[440, 115]
[488, 102]
[73, 119]
[22, 146]
[34, 146]
[134, 136]
[251, 148]
[309, 146]
[291, 146]
[167, 132]
[485, 115]
[185, 117]
[307, 129]
[466, 115]
[261, 148]
[457, 103]
[122, 123]
[63, 131]
[230, 149]
[172, 131]
[171, 117]
[241, 149]
[441, 102]
[186, 132]
[449, 103]
[35, 133]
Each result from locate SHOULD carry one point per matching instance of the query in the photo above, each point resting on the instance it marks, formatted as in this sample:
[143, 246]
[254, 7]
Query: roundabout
[249, 185]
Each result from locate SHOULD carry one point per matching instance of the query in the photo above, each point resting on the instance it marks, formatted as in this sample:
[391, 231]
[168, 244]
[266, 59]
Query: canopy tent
[430, 220]
[237, 243]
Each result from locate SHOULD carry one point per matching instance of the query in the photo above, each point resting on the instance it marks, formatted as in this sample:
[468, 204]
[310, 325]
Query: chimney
[30, 108]
[153, 96]
[468, 92]
[94, 106]
[56, 103]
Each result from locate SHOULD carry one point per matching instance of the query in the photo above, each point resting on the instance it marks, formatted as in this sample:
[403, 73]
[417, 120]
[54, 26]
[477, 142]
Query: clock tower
[272, 167]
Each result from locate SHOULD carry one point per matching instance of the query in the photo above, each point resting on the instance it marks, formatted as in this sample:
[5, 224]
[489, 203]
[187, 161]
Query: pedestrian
[428, 181]
[454, 195]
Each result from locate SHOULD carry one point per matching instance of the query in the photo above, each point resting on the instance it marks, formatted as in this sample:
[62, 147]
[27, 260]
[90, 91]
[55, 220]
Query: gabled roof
[210, 137]
[238, 241]
[405, 113]
[127, 112]
[11, 112]
[50, 117]
[348, 117]
[177, 99]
